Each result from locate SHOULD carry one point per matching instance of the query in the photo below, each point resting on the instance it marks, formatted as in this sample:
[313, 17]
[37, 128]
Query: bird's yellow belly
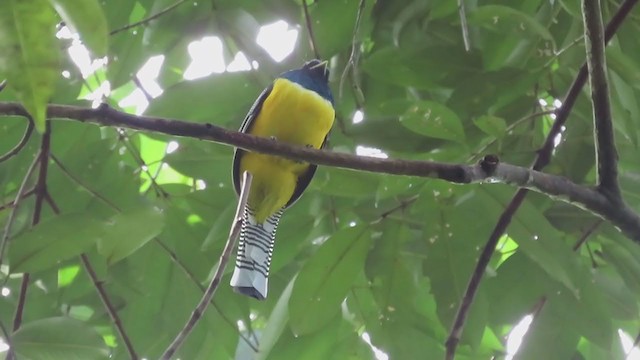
[290, 114]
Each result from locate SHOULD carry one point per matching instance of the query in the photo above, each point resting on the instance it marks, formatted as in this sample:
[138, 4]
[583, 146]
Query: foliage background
[360, 253]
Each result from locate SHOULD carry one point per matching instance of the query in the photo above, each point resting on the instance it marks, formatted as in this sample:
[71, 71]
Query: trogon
[297, 108]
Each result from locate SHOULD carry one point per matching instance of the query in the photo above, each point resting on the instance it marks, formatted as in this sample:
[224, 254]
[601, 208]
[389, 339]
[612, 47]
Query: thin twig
[11, 203]
[148, 19]
[542, 159]
[25, 139]
[587, 233]
[144, 91]
[198, 312]
[606, 154]
[193, 279]
[312, 38]
[141, 163]
[25, 277]
[52, 204]
[403, 204]
[102, 293]
[16, 203]
[351, 66]
[22, 298]
[463, 25]
[509, 128]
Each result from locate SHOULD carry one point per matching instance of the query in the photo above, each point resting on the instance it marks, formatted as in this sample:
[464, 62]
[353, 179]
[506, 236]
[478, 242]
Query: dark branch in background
[25, 138]
[351, 67]
[111, 310]
[312, 38]
[148, 19]
[587, 233]
[198, 312]
[606, 155]
[543, 158]
[40, 194]
[464, 26]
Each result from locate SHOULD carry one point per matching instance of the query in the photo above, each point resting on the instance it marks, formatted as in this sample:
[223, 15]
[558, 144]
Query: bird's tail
[254, 255]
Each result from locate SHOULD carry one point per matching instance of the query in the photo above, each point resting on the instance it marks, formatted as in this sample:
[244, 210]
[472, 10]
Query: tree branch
[312, 38]
[351, 68]
[25, 138]
[111, 310]
[463, 25]
[542, 159]
[606, 155]
[16, 203]
[40, 193]
[148, 19]
[487, 169]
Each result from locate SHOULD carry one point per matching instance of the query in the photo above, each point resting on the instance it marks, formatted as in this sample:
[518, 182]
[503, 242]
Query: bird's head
[313, 75]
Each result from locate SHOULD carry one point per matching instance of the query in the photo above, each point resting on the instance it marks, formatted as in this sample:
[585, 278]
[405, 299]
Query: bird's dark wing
[245, 127]
[305, 179]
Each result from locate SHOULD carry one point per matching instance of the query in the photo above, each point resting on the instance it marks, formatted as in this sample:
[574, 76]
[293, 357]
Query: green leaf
[508, 20]
[325, 279]
[417, 66]
[126, 232]
[332, 19]
[58, 338]
[52, 241]
[491, 125]
[29, 53]
[87, 19]
[232, 93]
[276, 324]
[434, 120]
[347, 183]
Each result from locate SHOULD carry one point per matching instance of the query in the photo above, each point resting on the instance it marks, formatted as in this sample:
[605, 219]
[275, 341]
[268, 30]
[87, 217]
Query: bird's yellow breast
[289, 114]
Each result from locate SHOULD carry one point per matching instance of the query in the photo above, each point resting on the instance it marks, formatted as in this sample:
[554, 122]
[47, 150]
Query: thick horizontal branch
[487, 170]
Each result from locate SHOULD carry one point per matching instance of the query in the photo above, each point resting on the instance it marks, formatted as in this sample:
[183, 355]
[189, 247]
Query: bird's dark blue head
[313, 75]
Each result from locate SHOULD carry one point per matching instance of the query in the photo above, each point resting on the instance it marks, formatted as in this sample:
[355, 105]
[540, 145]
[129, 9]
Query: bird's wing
[304, 179]
[244, 128]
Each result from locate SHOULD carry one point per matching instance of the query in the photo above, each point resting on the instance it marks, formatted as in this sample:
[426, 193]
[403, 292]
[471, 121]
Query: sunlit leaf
[87, 19]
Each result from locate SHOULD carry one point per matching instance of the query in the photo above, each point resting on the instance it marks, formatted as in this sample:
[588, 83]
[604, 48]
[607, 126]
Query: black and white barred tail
[255, 248]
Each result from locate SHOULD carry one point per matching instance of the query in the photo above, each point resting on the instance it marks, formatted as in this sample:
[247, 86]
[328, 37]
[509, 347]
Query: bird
[297, 108]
